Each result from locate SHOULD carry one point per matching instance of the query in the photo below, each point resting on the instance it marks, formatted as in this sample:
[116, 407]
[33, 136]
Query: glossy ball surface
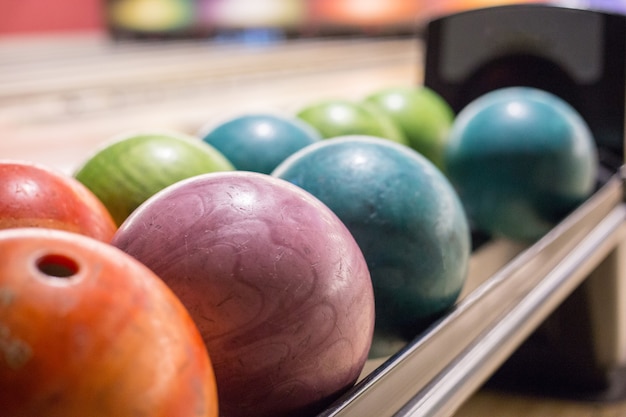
[338, 117]
[422, 115]
[33, 195]
[404, 215]
[259, 142]
[130, 168]
[85, 330]
[521, 159]
[275, 282]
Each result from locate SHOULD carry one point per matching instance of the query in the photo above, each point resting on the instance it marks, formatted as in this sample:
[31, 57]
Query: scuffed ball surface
[275, 282]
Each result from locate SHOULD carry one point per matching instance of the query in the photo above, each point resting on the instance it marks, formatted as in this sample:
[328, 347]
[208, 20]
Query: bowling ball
[129, 168]
[275, 282]
[259, 142]
[33, 195]
[151, 15]
[373, 15]
[521, 159]
[86, 330]
[406, 218]
[422, 115]
[338, 117]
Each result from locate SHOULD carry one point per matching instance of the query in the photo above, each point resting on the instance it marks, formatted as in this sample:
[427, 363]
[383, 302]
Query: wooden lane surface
[497, 404]
[132, 65]
[61, 98]
[81, 95]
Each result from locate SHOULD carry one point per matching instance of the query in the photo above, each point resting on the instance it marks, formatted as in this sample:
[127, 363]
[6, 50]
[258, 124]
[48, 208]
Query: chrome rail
[439, 370]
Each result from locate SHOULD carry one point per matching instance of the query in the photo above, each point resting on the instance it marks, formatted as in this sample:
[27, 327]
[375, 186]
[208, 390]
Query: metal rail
[438, 371]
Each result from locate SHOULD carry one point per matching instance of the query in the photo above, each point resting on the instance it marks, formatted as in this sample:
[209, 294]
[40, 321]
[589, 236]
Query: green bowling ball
[130, 168]
[405, 217]
[339, 117]
[422, 115]
[521, 159]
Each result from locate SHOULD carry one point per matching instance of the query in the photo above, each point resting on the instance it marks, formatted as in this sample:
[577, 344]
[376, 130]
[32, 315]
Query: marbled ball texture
[275, 282]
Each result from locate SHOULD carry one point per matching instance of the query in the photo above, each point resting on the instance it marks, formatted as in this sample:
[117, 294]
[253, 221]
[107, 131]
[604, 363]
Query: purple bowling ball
[275, 282]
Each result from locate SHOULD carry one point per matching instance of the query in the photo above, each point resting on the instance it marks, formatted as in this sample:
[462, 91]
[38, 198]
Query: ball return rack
[531, 317]
[547, 318]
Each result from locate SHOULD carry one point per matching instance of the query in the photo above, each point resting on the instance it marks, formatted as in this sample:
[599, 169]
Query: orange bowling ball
[32, 195]
[85, 330]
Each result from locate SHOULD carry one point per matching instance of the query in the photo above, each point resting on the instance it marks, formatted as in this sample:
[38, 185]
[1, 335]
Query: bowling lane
[79, 97]
[491, 403]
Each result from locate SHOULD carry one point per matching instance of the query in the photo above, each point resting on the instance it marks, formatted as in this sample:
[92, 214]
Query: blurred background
[248, 20]
[75, 72]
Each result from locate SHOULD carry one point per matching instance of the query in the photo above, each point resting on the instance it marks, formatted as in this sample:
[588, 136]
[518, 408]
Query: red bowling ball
[274, 280]
[87, 331]
[32, 195]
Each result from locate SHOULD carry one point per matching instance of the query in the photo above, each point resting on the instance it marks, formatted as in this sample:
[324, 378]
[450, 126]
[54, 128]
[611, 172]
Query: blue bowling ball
[405, 217]
[258, 142]
[521, 159]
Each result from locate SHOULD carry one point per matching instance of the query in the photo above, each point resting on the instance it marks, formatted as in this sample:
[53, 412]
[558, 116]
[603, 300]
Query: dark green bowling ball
[258, 142]
[406, 218]
[521, 159]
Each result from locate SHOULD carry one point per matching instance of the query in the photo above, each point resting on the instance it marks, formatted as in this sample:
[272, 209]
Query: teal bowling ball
[258, 142]
[341, 117]
[405, 217]
[521, 159]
